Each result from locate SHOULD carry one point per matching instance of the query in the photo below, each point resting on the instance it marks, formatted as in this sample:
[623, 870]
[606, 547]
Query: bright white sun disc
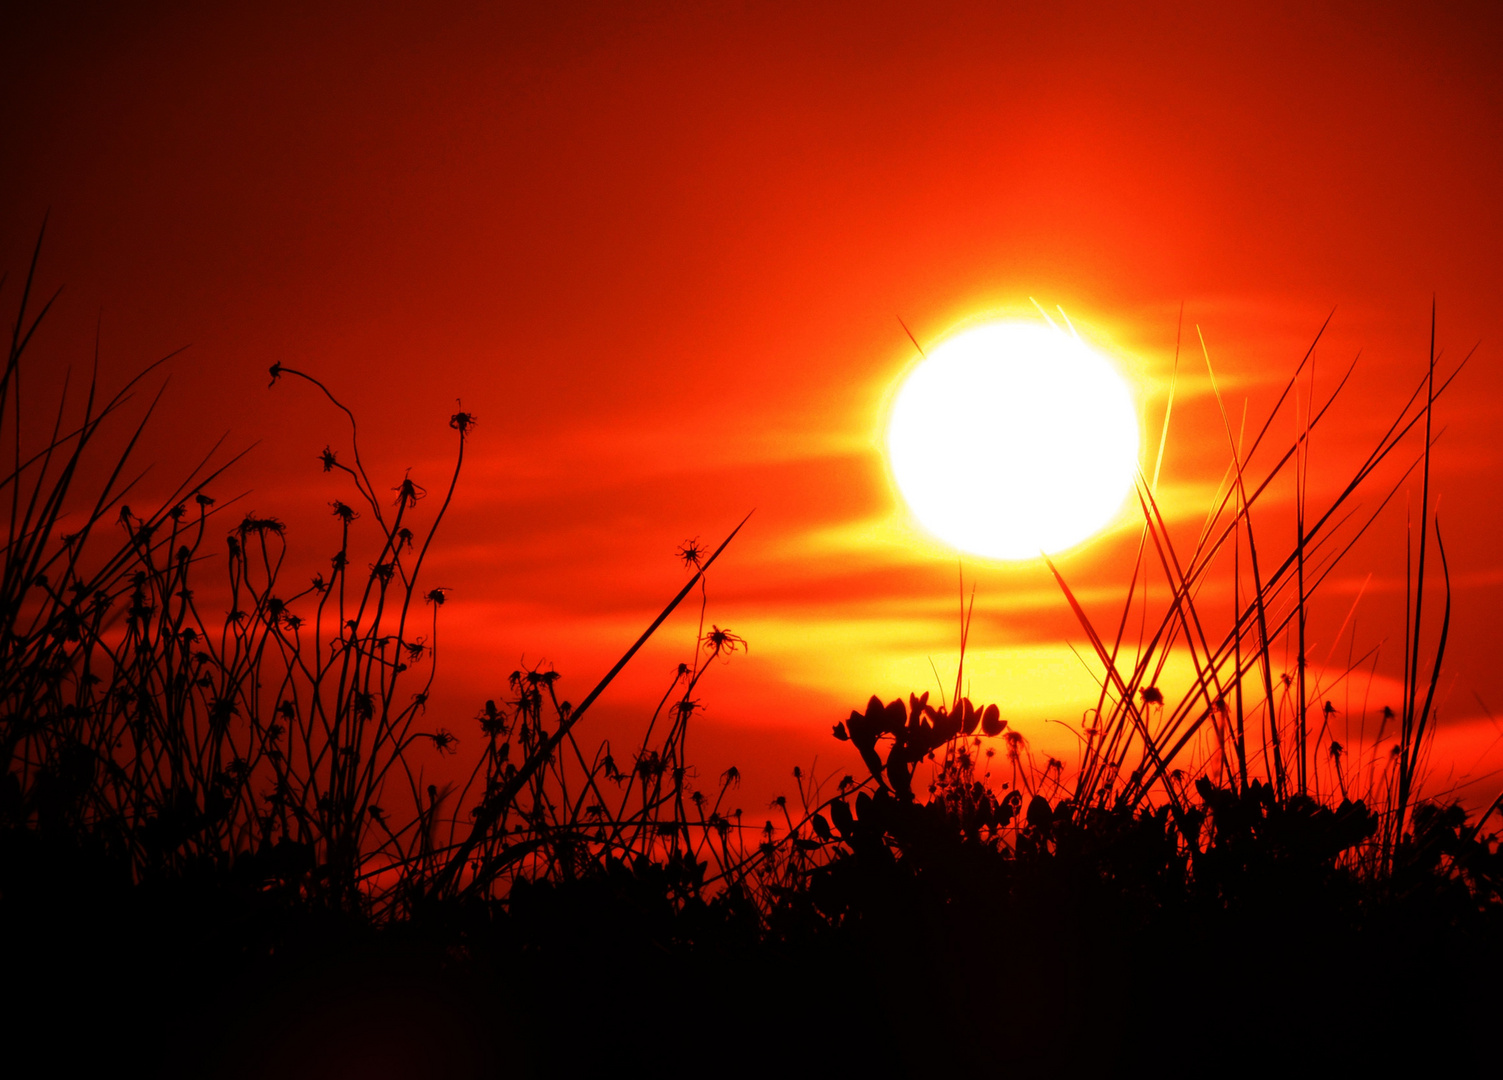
[1013, 438]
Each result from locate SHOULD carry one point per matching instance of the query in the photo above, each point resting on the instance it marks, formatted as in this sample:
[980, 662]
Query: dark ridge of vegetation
[218, 855]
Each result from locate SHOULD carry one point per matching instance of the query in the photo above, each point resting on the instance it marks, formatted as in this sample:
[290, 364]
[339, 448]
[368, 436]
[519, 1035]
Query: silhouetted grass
[216, 846]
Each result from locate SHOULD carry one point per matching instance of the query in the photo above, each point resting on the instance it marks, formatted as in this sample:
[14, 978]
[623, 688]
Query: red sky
[662, 255]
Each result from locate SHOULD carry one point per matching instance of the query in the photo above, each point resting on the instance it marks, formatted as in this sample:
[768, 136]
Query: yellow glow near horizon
[1013, 438]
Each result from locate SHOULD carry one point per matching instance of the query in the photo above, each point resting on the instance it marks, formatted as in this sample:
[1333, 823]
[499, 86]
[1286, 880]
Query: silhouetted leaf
[840, 813]
[1040, 816]
[821, 826]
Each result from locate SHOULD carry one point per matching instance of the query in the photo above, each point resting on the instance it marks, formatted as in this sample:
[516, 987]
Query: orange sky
[662, 256]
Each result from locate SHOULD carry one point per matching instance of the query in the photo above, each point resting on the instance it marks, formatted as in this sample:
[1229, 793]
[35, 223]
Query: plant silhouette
[213, 800]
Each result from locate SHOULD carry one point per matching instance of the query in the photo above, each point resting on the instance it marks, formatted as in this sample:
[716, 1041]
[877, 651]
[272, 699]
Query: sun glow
[1013, 438]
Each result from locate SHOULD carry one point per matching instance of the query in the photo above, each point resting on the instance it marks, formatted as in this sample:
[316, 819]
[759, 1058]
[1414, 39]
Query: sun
[1012, 439]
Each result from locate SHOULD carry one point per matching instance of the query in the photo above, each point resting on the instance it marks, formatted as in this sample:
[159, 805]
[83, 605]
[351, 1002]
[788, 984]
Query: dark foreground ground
[981, 966]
